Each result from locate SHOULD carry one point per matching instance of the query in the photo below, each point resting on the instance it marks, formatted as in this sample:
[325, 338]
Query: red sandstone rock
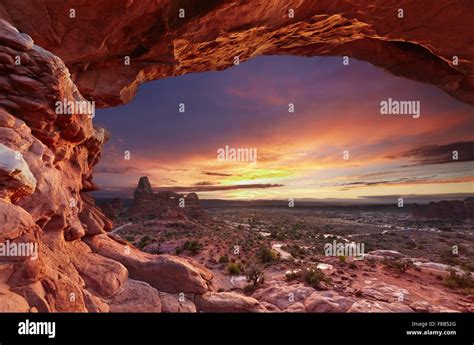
[222, 302]
[164, 272]
[279, 294]
[327, 302]
[176, 303]
[136, 296]
[12, 302]
[365, 306]
[420, 46]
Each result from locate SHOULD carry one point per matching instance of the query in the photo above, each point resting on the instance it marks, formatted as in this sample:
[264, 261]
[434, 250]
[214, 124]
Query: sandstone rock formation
[164, 204]
[431, 43]
[164, 272]
[227, 302]
[46, 162]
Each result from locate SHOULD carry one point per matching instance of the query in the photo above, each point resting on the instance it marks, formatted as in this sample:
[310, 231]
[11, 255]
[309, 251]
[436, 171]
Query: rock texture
[227, 302]
[96, 41]
[163, 205]
[165, 272]
[46, 162]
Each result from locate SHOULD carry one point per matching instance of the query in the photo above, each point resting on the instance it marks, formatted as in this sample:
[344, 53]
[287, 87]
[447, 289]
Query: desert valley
[273, 256]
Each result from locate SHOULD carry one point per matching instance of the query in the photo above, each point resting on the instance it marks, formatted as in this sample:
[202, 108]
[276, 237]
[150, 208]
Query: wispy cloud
[439, 154]
[210, 173]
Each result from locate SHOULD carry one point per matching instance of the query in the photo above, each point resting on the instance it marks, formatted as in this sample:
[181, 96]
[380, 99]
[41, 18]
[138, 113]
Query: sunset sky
[300, 154]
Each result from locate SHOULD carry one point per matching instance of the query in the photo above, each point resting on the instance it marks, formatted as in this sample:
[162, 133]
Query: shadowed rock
[421, 45]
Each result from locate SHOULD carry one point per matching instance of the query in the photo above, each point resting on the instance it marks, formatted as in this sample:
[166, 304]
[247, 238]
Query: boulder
[102, 275]
[135, 296]
[12, 302]
[283, 295]
[16, 179]
[176, 303]
[367, 306]
[227, 302]
[164, 272]
[385, 292]
[327, 302]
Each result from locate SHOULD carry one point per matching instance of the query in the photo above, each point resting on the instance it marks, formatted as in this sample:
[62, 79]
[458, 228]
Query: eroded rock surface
[431, 43]
[46, 162]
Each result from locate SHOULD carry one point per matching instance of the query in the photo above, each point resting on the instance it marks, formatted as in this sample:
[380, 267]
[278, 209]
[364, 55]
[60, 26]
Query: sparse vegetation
[224, 259]
[266, 255]
[255, 275]
[314, 276]
[296, 251]
[310, 275]
[398, 265]
[144, 241]
[464, 282]
[193, 247]
[234, 268]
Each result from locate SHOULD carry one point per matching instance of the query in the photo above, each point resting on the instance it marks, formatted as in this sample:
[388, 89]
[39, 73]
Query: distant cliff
[446, 209]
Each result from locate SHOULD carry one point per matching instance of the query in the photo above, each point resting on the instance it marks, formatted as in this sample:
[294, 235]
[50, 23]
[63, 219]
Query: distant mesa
[163, 204]
[446, 209]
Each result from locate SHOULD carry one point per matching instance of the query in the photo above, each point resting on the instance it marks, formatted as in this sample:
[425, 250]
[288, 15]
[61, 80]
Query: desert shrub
[130, 238]
[144, 241]
[460, 281]
[291, 276]
[468, 266]
[224, 259]
[249, 289]
[254, 275]
[233, 268]
[397, 265]
[193, 247]
[296, 251]
[342, 259]
[314, 276]
[265, 255]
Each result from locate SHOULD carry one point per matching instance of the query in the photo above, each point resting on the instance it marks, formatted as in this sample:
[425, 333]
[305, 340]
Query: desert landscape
[275, 254]
[112, 203]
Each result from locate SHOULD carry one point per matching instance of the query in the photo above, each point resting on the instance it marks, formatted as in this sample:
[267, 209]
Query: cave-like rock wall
[422, 45]
[68, 263]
